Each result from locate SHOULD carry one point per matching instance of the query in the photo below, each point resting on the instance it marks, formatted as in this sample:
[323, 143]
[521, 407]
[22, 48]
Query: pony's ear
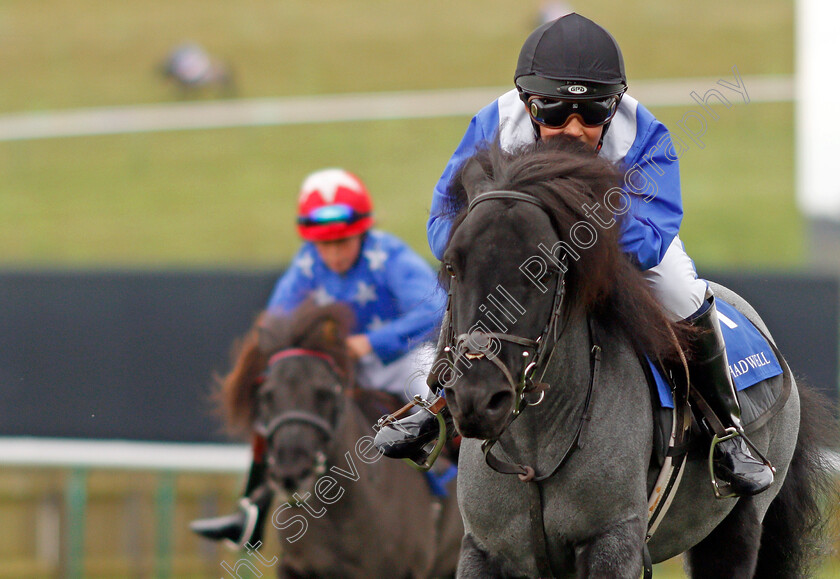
[471, 175]
[329, 332]
[268, 334]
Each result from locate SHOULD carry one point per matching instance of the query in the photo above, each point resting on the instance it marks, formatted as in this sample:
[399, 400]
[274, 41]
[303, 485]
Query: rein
[527, 473]
[535, 356]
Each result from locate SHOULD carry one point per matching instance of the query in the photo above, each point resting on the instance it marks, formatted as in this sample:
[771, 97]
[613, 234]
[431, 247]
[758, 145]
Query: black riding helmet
[570, 58]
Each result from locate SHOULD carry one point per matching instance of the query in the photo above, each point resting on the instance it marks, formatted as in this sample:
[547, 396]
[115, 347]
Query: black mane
[566, 175]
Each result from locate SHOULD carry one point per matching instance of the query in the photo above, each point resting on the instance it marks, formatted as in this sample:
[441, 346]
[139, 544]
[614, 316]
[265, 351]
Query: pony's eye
[267, 397]
[449, 269]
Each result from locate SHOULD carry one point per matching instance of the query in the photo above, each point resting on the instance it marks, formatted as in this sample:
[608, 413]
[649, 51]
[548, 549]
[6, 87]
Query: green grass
[226, 197]
[203, 198]
[74, 53]
[672, 569]
[740, 208]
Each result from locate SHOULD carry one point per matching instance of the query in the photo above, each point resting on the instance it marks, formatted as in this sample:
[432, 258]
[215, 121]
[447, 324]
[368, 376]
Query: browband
[515, 195]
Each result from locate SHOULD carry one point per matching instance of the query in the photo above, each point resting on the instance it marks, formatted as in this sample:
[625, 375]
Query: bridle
[268, 429]
[535, 357]
[474, 345]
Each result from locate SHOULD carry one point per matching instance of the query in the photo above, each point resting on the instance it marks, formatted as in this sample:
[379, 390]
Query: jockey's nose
[574, 127]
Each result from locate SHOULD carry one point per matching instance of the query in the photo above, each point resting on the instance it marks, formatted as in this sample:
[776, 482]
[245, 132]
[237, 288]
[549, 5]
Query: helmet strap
[603, 134]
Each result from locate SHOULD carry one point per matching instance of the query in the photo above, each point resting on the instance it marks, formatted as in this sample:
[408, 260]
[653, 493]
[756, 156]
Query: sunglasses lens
[551, 113]
[329, 214]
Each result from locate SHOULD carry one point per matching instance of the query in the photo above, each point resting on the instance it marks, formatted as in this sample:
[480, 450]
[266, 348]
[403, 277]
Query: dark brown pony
[340, 510]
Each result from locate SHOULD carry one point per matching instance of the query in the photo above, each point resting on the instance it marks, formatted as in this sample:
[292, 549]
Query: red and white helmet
[333, 204]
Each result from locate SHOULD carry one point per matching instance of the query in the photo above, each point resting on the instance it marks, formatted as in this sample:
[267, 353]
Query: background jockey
[392, 291]
[570, 80]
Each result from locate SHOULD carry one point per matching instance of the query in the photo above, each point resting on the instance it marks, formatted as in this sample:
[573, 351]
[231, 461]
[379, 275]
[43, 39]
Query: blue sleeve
[420, 302]
[652, 176]
[291, 289]
[483, 127]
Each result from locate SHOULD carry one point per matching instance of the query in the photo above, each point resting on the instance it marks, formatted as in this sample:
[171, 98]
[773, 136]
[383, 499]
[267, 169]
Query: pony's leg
[731, 549]
[475, 561]
[617, 552]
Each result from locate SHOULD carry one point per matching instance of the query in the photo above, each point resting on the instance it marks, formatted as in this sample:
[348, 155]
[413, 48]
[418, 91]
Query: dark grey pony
[584, 513]
[340, 511]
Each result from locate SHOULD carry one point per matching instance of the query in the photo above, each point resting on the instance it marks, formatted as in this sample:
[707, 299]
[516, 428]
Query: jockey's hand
[359, 346]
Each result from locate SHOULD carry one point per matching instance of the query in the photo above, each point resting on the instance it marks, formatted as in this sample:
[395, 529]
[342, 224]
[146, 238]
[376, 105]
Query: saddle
[759, 404]
[757, 367]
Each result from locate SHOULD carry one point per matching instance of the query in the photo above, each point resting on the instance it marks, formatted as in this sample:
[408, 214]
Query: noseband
[268, 429]
[476, 344]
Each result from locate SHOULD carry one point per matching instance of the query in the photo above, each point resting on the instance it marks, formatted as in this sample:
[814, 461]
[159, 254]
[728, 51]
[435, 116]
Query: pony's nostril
[499, 402]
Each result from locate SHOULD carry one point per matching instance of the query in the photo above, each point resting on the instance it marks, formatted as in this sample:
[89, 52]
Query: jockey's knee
[675, 284]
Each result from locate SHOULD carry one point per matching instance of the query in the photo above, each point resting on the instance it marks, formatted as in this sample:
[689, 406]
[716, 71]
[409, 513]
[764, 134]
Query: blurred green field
[224, 198]
[123, 522]
[79, 53]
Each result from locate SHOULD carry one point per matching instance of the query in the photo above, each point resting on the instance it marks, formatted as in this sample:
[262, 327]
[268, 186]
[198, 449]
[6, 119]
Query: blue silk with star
[392, 290]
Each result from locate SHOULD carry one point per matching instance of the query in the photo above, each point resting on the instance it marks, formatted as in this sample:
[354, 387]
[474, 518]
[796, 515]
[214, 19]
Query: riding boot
[407, 437]
[245, 527]
[734, 462]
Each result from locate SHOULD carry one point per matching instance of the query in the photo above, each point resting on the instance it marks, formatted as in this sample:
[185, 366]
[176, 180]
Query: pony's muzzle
[293, 468]
[479, 413]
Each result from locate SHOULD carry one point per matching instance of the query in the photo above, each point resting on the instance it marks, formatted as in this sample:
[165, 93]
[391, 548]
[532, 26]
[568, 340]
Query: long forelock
[302, 329]
[565, 176]
[273, 332]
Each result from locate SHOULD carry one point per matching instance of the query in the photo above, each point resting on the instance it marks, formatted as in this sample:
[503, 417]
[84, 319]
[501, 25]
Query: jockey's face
[341, 254]
[576, 129]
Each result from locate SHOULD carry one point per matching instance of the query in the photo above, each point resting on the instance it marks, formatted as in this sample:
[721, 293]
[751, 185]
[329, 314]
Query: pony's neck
[352, 427]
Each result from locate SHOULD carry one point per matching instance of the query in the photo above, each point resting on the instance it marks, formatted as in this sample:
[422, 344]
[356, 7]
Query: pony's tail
[794, 531]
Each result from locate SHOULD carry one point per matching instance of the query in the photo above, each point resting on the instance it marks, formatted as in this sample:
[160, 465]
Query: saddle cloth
[751, 359]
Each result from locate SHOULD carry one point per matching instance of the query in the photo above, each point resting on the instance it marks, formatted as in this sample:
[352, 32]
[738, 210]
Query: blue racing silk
[393, 292]
[639, 144]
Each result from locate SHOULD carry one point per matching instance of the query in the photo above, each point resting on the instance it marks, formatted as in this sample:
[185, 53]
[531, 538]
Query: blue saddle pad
[751, 359]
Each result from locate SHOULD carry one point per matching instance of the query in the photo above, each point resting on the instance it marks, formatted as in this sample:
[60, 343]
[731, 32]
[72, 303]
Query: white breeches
[674, 282]
[405, 376]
